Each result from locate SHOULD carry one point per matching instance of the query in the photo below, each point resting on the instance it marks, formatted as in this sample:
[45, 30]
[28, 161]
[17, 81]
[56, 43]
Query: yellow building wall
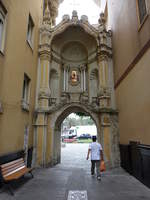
[18, 59]
[133, 100]
[132, 94]
[128, 37]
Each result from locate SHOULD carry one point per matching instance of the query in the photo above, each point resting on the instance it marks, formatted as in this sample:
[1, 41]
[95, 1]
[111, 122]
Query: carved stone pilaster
[47, 16]
[104, 97]
[103, 69]
[45, 56]
[101, 55]
[105, 120]
[44, 93]
[115, 152]
[45, 53]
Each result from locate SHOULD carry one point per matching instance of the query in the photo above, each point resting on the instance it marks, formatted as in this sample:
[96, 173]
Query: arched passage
[56, 132]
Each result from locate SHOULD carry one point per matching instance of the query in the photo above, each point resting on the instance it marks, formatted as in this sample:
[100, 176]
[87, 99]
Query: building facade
[75, 74]
[130, 22]
[19, 36]
[49, 71]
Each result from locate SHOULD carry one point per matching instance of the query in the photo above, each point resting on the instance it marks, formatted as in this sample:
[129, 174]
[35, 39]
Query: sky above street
[83, 7]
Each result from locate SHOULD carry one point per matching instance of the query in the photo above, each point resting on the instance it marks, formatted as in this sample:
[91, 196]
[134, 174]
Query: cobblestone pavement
[74, 175]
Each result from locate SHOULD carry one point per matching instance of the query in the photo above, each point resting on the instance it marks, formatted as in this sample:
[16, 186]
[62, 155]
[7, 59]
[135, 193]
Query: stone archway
[56, 121]
[79, 56]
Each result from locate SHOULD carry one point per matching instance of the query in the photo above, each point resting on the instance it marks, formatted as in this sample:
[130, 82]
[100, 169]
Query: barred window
[142, 10]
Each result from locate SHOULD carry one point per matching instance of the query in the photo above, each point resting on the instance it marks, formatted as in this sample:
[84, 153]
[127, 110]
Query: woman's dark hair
[94, 138]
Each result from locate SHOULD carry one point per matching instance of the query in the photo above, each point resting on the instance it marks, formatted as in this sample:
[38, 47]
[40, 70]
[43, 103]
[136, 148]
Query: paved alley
[71, 180]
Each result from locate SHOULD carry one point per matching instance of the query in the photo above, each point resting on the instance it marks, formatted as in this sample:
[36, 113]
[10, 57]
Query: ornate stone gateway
[75, 73]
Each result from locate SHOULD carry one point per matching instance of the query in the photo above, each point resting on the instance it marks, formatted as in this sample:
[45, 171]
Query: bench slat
[14, 170]
[12, 162]
[11, 166]
[10, 170]
[17, 174]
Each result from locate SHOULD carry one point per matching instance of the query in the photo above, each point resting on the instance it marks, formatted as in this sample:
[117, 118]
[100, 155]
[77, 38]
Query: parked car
[85, 136]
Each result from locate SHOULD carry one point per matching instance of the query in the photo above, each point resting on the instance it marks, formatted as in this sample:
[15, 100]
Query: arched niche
[73, 47]
[72, 33]
[94, 82]
[74, 56]
[54, 84]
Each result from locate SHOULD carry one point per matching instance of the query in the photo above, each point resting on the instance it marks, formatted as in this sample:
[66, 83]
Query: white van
[72, 132]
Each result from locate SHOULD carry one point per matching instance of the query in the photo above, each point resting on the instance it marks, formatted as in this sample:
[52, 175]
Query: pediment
[75, 21]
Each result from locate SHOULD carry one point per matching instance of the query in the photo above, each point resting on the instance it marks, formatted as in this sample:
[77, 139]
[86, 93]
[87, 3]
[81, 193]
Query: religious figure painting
[74, 77]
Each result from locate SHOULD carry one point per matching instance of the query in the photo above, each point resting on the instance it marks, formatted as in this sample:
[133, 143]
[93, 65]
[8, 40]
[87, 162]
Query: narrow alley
[72, 180]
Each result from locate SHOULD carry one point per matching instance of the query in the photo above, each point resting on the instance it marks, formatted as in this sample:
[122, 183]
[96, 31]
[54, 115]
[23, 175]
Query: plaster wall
[128, 36]
[132, 94]
[133, 101]
[18, 58]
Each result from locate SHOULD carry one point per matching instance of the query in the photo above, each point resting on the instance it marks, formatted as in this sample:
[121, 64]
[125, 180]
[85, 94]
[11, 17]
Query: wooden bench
[14, 170]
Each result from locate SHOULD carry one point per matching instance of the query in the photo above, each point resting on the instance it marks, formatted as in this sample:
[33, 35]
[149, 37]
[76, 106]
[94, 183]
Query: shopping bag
[102, 166]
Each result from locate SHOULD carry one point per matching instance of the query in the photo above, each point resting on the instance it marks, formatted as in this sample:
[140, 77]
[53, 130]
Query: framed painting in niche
[74, 77]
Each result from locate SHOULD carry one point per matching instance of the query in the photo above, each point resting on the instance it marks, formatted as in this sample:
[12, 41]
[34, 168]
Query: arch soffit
[60, 28]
